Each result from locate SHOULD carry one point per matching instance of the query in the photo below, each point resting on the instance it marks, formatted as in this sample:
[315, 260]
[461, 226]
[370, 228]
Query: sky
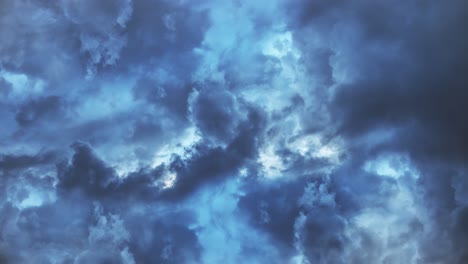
[233, 131]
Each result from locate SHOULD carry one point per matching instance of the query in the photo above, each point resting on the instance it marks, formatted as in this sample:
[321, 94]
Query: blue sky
[301, 132]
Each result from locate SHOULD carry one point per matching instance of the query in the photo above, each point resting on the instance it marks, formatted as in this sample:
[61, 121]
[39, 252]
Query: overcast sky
[203, 131]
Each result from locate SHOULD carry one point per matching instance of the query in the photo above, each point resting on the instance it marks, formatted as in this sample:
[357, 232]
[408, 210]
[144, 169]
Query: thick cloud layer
[158, 131]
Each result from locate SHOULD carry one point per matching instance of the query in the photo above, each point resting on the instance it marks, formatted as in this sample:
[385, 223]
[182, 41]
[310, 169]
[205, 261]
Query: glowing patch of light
[123, 169]
[325, 152]
[22, 84]
[272, 164]
[169, 180]
[311, 145]
[391, 165]
[177, 146]
[243, 172]
[18, 80]
[279, 45]
[35, 198]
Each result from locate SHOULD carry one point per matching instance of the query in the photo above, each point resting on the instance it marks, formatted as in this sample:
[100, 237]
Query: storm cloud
[156, 131]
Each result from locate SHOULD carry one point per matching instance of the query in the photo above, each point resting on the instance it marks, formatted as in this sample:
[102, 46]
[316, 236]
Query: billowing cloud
[237, 132]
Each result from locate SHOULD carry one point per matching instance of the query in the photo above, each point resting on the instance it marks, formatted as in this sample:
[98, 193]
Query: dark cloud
[406, 88]
[273, 207]
[86, 172]
[91, 175]
[247, 131]
[165, 243]
[418, 87]
[216, 114]
[312, 213]
[210, 164]
[170, 96]
[14, 162]
[37, 109]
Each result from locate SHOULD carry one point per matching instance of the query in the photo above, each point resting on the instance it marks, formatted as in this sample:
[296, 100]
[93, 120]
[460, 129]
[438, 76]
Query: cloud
[38, 109]
[247, 131]
[382, 103]
[213, 163]
[15, 162]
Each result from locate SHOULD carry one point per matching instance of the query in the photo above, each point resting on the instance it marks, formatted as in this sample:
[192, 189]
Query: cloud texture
[302, 132]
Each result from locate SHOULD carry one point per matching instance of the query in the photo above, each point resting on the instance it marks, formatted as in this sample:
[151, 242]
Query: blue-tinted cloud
[236, 131]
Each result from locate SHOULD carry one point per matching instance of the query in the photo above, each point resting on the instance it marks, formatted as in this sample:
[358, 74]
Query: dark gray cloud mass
[302, 132]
